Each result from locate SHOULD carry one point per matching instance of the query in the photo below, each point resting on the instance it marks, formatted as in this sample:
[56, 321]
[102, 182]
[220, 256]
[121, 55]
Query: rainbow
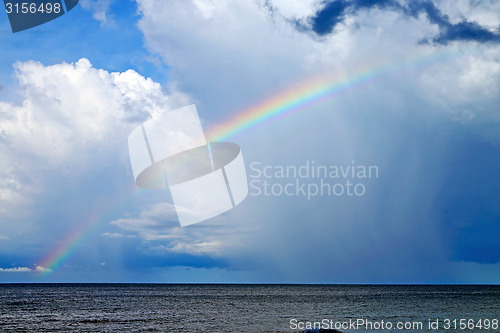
[294, 99]
[58, 255]
[314, 91]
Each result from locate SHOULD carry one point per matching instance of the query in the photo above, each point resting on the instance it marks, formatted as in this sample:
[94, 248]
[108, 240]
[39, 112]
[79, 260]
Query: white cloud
[483, 12]
[42, 269]
[116, 235]
[198, 248]
[66, 122]
[214, 248]
[146, 228]
[25, 269]
[481, 76]
[162, 210]
[156, 222]
[296, 9]
[158, 225]
[237, 37]
[69, 107]
[99, 8]
[16, 269]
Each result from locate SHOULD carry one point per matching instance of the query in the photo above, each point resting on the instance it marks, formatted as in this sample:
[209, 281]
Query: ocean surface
[244, 308]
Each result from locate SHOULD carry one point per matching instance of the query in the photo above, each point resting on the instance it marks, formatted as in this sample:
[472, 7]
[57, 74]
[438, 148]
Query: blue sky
[72, 90]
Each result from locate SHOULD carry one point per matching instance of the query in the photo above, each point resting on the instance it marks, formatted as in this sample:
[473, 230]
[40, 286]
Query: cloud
[25, 269]
[100, 10]
[460, 31]
[68, 115]
[252, 45]
[84, 104]
[158, 225]
[200, 248]
[482, 12]
[335, 12]
[294, 9]
[156, 222]
[42, 269]
[196, 248]
[16, 269]
[116, 235]
[63, 142]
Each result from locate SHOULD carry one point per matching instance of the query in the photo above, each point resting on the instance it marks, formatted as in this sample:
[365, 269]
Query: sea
[248, 308]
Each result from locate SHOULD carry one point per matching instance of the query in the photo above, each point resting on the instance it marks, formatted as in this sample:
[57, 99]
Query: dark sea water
[239, 308]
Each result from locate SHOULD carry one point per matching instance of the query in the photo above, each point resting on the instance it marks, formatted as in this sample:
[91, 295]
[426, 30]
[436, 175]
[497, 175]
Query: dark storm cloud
[334, 12]
[151, 259]
[469, 202]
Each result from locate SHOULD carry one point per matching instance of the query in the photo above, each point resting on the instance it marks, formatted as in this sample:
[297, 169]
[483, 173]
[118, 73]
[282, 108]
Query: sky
[409, 87]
